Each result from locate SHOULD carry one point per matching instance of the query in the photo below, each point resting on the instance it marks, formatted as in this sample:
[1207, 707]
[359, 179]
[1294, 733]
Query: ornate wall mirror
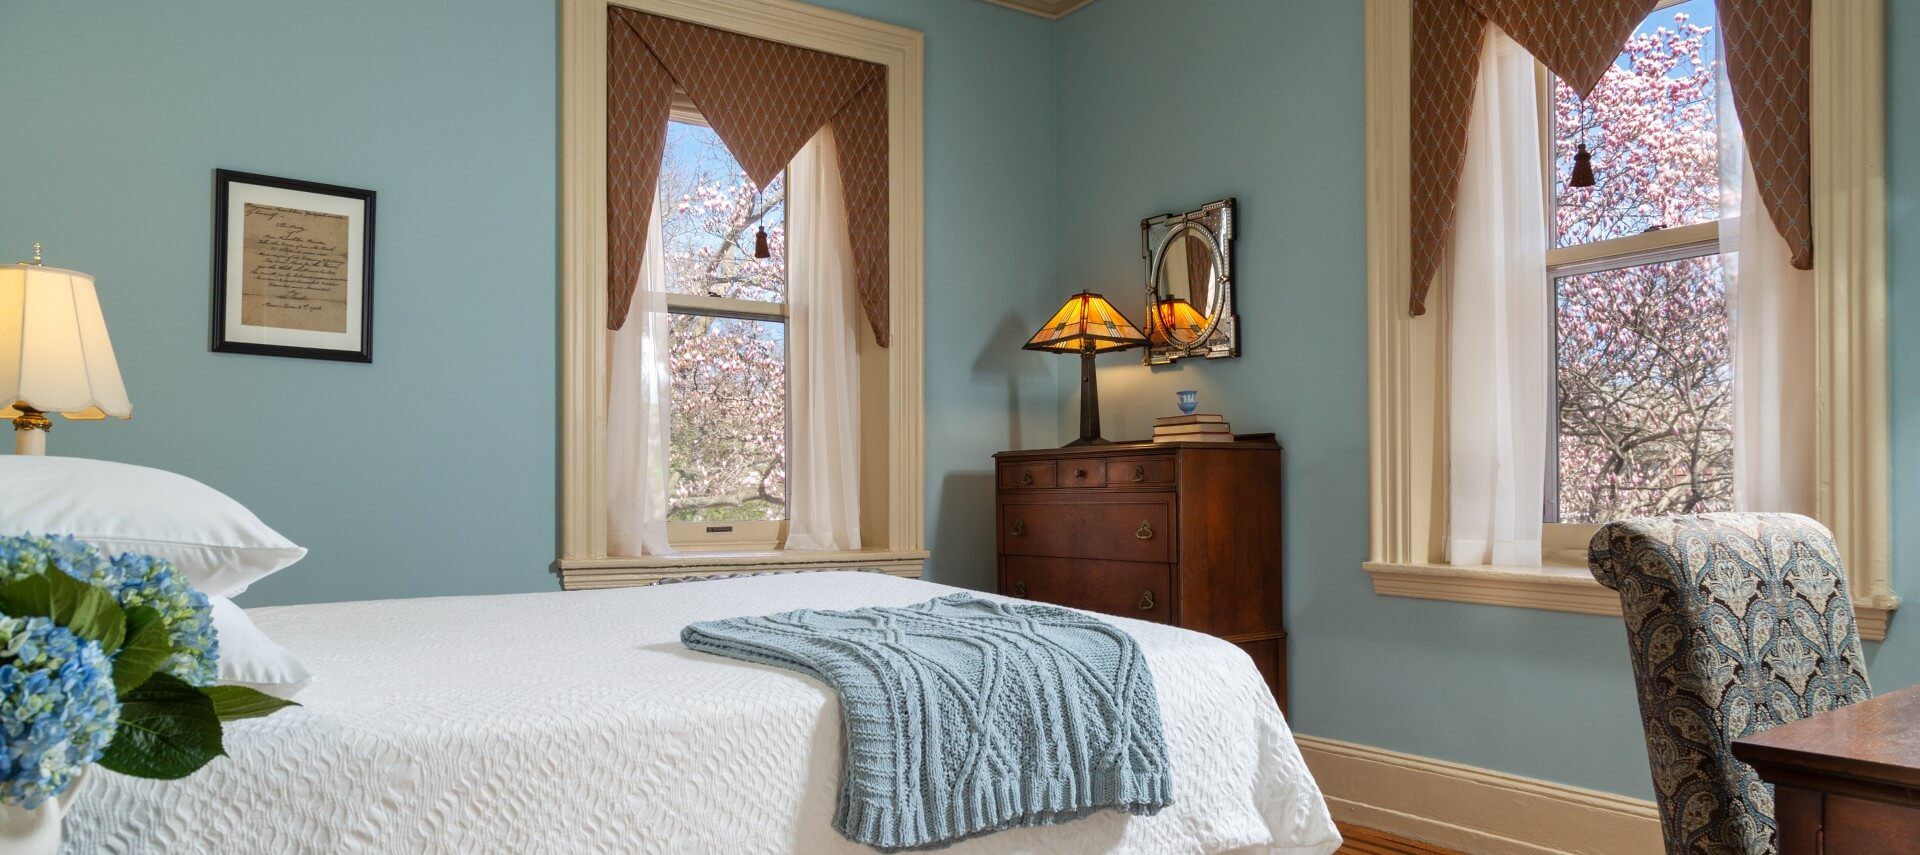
[1190, 284]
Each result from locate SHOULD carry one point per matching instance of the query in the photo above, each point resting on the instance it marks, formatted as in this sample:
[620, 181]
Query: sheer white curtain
[823, 396]
[638, 414]
[1497, 397]
[1770, 304]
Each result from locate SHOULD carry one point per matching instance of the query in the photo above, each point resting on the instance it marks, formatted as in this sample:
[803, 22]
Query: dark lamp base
[1089, 405]
[1088, 440]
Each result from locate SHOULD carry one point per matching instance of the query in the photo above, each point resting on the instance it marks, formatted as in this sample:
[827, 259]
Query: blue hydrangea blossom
[58, 710]
[134, 580]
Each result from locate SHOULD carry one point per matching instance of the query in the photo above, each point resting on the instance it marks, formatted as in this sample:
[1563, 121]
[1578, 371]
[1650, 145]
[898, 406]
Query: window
[727, 343]
[1409, 357]
[1643, 377]
[892, 394]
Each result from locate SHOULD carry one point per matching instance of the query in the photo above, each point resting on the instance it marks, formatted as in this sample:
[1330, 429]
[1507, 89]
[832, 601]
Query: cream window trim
[893, 496]
[683, 110]
[1565, 544]
[1407, 357]
[737, 535]
[587, 574]
[726, 307]
[1627, 251]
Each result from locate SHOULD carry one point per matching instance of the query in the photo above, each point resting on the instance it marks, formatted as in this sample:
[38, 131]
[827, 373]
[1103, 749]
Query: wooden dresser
[1186, 534]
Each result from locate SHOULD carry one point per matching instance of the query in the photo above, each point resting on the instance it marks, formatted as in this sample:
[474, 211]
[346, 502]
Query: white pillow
[249, 658]
[219, 545]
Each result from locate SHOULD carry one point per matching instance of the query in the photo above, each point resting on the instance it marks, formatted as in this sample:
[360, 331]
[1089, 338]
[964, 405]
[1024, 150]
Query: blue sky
[1699, 13]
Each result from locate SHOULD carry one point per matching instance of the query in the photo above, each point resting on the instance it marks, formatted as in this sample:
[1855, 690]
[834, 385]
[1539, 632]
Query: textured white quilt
[576, 722]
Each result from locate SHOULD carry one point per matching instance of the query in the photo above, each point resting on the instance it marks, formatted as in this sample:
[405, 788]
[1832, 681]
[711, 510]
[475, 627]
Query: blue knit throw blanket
[965, 716]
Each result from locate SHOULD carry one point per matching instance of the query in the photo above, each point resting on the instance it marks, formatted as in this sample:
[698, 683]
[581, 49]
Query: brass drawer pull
[1019, 589]
[1079, 473]
[1019, 528]
[1146, 601]
[1140, 473]
[1026, 477]
[1144, 532]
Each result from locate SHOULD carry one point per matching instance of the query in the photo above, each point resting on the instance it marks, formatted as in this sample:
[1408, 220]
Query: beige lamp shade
[54, 352]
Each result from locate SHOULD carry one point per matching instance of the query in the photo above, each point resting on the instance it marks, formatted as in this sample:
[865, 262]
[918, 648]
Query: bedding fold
[965, 716]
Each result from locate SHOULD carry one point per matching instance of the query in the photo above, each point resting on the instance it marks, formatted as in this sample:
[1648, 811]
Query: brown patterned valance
[639, 99]
[1577, 41]
[860, 129]
[1445, 62]
[765, 100]
[1769, 50]
[1767, 66]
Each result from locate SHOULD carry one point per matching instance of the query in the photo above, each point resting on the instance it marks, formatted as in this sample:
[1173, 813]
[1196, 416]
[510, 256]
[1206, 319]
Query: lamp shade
[1178, 316]
[54, 352]
[1086, 324]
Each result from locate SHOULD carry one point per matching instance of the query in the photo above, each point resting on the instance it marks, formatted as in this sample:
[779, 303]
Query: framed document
[292, 268]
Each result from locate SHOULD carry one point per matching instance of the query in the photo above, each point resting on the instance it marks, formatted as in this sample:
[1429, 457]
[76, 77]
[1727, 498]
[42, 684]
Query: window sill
[1551, 588]
[626, 571]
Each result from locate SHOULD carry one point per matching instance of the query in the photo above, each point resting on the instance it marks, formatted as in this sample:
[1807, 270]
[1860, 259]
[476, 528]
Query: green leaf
[88, 610]
[146, 649]
[168, 730]
[232, 703]
[29, 596]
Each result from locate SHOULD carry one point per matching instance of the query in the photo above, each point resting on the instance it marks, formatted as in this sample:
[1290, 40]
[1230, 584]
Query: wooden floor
[1366, 841]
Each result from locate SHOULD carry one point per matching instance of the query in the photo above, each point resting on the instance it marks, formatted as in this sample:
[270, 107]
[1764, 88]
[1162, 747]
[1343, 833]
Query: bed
[576, 722]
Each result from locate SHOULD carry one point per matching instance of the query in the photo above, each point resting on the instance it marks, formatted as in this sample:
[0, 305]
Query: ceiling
[1052, 10]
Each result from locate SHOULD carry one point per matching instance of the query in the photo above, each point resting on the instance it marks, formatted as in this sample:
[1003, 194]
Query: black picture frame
[225, 280]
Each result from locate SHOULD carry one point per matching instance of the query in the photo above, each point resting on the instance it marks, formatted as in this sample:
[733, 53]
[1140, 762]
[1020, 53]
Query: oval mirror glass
[1184, 287]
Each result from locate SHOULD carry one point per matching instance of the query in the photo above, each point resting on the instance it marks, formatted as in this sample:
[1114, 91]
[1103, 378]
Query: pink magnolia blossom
[728, 382]
[1645, 378]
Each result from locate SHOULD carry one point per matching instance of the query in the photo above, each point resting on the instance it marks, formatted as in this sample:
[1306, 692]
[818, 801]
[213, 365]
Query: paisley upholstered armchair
[1736, 623]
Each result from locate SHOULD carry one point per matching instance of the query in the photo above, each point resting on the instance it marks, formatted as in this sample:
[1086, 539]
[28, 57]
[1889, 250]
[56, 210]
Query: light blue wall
[1896, 663]
[990, 259]
[1164, 106]
[432, 471]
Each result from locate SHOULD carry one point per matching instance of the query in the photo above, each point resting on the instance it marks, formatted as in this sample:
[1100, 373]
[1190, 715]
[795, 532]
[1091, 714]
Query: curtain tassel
[761, 250]
[1582, 168]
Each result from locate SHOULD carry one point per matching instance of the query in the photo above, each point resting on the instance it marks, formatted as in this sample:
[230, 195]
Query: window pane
[1645, 387]
[1651, 127]
[709, 214]
[729, 427]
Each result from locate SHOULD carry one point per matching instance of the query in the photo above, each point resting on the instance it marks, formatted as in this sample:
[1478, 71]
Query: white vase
[37, 831]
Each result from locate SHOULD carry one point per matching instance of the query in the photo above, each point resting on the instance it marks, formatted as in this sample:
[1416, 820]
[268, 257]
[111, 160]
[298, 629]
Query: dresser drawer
[1083, 473]
[1152, 471]
[1125, 588]
[1138, 528]
[1028, 473]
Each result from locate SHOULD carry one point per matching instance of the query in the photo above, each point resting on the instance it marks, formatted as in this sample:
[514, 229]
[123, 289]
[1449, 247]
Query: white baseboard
[1475, 810]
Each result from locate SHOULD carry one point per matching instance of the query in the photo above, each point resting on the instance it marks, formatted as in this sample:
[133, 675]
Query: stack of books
[1198, 427]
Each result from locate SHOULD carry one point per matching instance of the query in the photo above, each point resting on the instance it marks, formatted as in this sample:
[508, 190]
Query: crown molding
[1052, 10]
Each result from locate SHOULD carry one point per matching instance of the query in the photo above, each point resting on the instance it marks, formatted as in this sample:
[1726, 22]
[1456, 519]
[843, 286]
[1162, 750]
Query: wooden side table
[1845, 781]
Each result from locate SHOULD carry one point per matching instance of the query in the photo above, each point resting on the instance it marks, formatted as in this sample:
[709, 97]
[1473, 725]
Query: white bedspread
[575, 722]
